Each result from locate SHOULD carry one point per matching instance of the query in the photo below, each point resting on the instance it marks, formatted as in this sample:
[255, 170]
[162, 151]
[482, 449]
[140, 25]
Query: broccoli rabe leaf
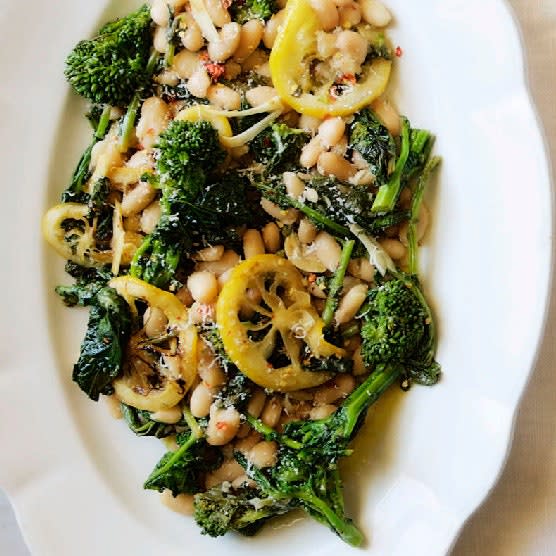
[102, 349]
[88, 282]
[141, 423]
[244, 10]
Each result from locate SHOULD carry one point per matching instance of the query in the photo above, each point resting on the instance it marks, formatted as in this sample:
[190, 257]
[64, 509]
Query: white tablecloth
[519, 517]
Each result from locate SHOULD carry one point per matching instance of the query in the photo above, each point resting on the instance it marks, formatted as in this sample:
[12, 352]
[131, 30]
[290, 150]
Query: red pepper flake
[312, 278]
[214, 69]
[348, 78]
[398, 52]
[226, 3]
[220, 425]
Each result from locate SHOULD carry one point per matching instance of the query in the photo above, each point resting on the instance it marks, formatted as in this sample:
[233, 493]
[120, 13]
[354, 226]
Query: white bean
[229, 260]
[199, 82]
[332, 391]
[231, 70]
[375, 13]
[223, 425]
[227, 43]
[332, 164]
[217, 12]
[192, 38]
[138, 198]
[209, 254]
[251, 35]
[388, 115]
[209, 369]
[260, 95]
[150, 217]
[255, 61]
[271, 28]
[155, 322]
[170, 416]
[160, 13]
[224, 97]
[155, 114]
[203, 286]
[160, 39]
[395, 248]
[311, 152]
[272, 412]
[328, 250]
[256, 403]
[287, 217]
[253, 244]
[359, 367]
[229, 471]
[331, 131]
[327, 13]
[185, 63]
[201, 400]
[263, 454]
[350, 15]
[307, 231]
[351, 303]
[326, 45]
[322, 411]
[420, 228]
[200, 313]
[271, 237]
[353, 44]
[181, 504]
[294, 185]
[362, 268]
[309, 123]
[132, 223]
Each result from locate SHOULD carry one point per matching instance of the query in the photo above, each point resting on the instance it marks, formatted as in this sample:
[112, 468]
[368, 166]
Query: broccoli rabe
[244, 10]
[109, 68]
[100, 360]
[245, 510]
[88, 282]
[141, 423]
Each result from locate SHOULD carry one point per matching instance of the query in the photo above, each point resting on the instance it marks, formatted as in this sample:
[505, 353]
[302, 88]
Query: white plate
[426, 459]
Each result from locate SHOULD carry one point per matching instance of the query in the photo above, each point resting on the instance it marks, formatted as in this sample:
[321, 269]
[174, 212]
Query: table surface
[519, 516]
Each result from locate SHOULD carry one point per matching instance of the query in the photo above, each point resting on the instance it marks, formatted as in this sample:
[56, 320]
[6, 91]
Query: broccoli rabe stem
[388, 193]
[416, 203]
[128, 124]
[270, 434]
[337, 283]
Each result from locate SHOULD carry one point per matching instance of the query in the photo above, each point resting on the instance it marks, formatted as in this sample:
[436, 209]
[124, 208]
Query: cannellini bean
[271, 237]
[350, 15]
[359, 367]
[352, 44]
[263, 454]
[199, 82]
[251, 35]
[271, 28]
[272, 412]
[327, 13]
[155, 114]
[184, 295]
[217, 12]
[253, 244]
[203, 286]
[138, 198]
[140, 159]
[227, 43]
[375, 13]
[229, 260]
[420, 228]
[224, 97]
[331, 131]
[255, 61]
[332, 164]
[228, 471]
[155, 322]
[351, 303]
[395, 248]
[132, 223]
[256, 403]
[328, 250]
[243, 481]
[245, 444]
[294, 185]
[209, 254]
[340, 387]
[362, 177]
[192, 38]
[209, 369]
[311, 152]
[181, 504]
[160, 39]
[231, 70]
[201, 400]
[322, 411]
[159, 13]
[405, 198]
[388, 115]
[287, 217]
[150, 217]
[326, 45]
[223, 425]
[307, 231]
[185, 63]
[200, 313]
[309, 123]
[362, 268]
[260, 95]
[170, 416]
[168, 77]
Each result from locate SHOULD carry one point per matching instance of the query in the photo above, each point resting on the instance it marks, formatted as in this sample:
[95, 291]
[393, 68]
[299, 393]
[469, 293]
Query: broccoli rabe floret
[244, 10]
[244, 510]
[109, 68]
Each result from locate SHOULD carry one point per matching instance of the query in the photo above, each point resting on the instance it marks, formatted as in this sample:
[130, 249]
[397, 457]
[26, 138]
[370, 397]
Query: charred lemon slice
[157, 374]
[266, 319]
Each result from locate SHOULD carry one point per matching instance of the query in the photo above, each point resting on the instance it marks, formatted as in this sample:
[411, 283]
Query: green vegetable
[306, 473]
[88, 282]
[244, 510]
[109, 68]
[141, 424]
[244, 10]
[183, 470]
[100, 360]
